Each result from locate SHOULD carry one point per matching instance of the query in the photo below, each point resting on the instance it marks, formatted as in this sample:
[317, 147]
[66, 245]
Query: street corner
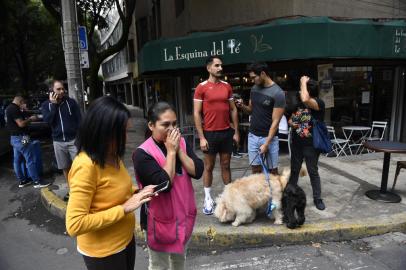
[53, 203]
[226, 237]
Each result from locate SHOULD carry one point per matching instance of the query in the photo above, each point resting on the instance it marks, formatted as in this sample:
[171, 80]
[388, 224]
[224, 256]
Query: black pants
[311, 157]
[124, 260]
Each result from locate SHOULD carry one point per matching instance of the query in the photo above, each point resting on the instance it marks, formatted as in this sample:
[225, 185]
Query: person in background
[165, 157]
[213, 99]
[266, 106]
[100, 211]
[23, 147]
[310, 106]
[62, 113]
[37, 155]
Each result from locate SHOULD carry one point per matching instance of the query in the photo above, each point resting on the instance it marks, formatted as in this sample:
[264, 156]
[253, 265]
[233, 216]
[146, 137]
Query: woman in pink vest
[169, 217]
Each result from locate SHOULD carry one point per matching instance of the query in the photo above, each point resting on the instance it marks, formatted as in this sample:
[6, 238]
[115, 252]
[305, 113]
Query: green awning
[282, 39]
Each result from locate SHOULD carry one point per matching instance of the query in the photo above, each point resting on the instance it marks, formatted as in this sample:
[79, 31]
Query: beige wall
[201, 15]
[351, 8]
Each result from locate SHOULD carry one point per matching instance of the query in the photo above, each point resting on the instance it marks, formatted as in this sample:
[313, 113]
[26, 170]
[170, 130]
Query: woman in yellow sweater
[102, 197]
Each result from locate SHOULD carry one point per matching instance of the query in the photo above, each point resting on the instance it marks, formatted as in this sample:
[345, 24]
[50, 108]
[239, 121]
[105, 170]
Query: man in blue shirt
[63, 115]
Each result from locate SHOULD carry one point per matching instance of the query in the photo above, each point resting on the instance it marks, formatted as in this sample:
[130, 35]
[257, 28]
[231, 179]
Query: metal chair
[286, 133]
[377, 132]
[399, 165]
[189, 133]
[339, 145]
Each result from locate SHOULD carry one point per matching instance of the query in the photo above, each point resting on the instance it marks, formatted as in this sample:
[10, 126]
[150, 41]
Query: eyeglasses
[61, 88]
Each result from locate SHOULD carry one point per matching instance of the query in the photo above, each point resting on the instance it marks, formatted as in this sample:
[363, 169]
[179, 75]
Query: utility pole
[71, 51]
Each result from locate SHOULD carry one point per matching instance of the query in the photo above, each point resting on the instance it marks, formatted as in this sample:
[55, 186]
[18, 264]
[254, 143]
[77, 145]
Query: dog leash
[271, 206]
[249, 165]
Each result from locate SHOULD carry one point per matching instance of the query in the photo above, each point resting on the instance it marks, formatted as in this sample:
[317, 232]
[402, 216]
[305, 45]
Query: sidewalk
[349, 213]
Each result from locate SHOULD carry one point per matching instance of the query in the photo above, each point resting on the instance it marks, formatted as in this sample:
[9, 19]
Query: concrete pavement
[349, 213]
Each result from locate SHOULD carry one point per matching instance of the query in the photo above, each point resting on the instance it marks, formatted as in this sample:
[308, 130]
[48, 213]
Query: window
[142, 32]
[131, 50]
[179, 7]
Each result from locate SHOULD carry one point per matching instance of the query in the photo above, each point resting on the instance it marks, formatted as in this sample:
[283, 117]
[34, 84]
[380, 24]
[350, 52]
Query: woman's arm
[79, 220]
[304, 95]
[194, 165]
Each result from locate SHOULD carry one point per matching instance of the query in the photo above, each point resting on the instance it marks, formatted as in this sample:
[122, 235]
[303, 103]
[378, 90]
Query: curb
[227, 237]
[53, 203]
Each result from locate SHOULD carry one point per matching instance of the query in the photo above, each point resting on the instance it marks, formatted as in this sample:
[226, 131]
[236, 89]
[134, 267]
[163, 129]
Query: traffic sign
[82, 38]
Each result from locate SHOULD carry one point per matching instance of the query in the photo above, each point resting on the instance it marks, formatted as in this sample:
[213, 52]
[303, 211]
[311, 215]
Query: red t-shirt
[216, 104]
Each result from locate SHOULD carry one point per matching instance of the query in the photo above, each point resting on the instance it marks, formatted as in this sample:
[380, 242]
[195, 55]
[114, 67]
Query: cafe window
[353, 95]
[179, 7]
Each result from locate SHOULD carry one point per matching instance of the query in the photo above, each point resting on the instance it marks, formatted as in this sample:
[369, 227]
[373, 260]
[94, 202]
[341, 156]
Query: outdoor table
[352, 130]
[387, 147]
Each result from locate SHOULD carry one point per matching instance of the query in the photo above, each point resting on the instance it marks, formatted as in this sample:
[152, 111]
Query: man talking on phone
[62, 113]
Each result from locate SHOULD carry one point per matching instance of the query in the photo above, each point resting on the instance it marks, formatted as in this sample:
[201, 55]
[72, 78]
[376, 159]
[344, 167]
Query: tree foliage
[30, 47]
[92, 13]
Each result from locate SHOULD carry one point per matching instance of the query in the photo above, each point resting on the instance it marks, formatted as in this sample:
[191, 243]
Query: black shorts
[219, 141]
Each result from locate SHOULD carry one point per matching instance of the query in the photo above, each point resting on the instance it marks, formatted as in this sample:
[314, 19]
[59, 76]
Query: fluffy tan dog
[241, 198]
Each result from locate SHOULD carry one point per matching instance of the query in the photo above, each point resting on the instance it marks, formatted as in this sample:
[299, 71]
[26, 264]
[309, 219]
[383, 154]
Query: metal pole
[71, 51]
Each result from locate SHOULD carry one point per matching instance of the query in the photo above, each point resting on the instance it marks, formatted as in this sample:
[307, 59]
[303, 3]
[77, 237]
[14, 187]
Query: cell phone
[161, 187]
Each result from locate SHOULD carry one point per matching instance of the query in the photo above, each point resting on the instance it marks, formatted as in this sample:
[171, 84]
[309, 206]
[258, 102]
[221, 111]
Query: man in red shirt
[213, 99]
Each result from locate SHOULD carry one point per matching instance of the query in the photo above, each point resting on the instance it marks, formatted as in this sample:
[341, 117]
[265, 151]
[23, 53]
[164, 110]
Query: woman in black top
[309, 107]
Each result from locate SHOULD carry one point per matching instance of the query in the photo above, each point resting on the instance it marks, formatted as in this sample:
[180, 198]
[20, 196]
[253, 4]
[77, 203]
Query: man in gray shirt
[266, 106]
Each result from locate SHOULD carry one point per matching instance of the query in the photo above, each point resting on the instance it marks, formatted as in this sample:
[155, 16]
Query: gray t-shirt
[263, 101]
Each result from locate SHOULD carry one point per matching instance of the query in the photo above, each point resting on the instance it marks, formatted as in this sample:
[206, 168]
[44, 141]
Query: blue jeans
[255, 142]
[33, 161]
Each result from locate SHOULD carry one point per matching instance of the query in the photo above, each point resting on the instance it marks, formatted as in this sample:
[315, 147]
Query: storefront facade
[363, 82]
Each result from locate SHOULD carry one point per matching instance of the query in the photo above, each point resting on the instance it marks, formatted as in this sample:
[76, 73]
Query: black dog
[293, 200]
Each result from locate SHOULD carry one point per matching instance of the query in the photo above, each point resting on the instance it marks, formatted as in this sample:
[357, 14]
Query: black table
[387, 147]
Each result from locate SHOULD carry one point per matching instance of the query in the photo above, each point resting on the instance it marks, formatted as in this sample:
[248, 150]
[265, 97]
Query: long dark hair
[103, 125]
[154, 112]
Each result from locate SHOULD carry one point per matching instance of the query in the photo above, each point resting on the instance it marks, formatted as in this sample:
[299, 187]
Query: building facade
[356, 49]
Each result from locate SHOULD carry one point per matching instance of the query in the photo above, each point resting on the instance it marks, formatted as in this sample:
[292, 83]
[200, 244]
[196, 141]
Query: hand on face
[172, 140]
[53, 97]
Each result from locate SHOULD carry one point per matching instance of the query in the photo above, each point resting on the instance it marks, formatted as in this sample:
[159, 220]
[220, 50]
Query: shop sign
[399, 44]
[222, 47]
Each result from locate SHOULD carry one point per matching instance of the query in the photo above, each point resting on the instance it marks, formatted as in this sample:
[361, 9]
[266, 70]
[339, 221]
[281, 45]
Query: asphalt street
[32, 238]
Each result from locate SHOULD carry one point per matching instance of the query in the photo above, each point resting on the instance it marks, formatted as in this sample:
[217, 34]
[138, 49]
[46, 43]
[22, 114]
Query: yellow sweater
[94, 213]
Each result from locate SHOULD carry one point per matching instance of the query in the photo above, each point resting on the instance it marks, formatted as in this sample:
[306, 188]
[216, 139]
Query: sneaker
[25, 183]
[41, 184]
[319, 204]
[236, 155]
[208, 207]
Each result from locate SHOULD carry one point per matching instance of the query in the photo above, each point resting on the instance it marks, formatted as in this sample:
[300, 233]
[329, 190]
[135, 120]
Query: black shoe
[41, 184]
[25, 183]
[319, 204]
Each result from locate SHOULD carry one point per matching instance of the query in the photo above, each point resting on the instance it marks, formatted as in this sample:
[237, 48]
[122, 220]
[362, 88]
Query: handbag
[321, 140]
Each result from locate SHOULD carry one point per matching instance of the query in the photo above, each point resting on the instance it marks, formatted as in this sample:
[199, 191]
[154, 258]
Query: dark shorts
[219, 141]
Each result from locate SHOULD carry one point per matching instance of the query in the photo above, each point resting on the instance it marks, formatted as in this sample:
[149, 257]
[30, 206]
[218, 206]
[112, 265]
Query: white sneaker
[208, 207]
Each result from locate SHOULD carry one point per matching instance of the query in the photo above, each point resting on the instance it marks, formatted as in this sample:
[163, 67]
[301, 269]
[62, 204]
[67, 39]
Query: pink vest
[171, 215]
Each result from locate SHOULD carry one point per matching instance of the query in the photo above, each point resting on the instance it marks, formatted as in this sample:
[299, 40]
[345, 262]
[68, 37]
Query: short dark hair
[313, 88]
[154, 113]
[103, 125]
[258, 67]
[210, 59]
[55, 81]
